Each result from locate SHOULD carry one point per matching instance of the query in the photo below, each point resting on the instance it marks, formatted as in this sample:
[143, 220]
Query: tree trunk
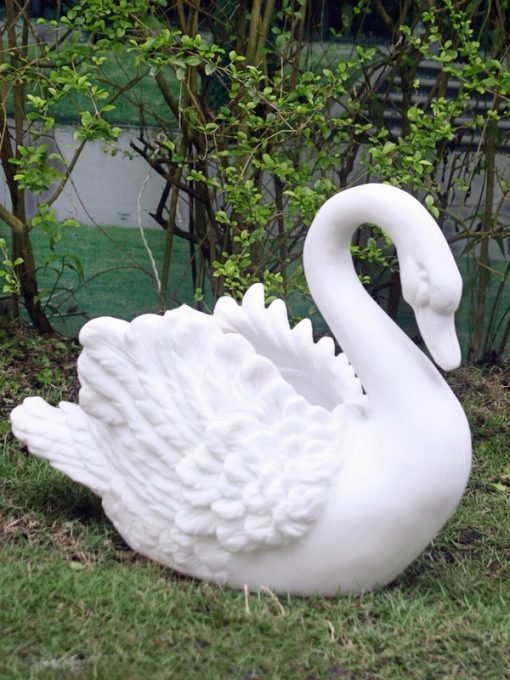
[22, 247]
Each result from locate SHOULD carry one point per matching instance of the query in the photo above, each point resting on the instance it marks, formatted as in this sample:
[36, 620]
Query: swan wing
[62, 436]
[207, 438]
[328, 379]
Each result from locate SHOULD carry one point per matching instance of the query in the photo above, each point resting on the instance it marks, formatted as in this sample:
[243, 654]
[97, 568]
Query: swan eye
[422, 287]
[415, 283]
[421, 298]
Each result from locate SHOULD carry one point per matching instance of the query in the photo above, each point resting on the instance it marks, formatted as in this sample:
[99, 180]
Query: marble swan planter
[235, 449]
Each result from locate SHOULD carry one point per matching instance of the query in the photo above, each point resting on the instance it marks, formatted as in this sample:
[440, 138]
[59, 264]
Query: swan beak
[439, 334]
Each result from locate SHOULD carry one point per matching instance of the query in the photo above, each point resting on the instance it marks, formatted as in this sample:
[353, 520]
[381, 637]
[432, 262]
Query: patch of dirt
[484, 392]
[31, 364]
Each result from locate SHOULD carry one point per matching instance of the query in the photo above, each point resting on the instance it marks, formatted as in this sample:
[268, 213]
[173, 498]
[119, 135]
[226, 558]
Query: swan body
[235, 449]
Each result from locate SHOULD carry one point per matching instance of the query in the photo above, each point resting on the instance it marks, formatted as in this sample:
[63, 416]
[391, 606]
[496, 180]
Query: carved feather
[196, 423]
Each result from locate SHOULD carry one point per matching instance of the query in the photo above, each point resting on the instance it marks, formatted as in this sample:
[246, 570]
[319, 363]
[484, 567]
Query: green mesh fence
[118, 279]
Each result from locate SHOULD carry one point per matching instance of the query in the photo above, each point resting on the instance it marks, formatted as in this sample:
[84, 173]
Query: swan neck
[385, 359]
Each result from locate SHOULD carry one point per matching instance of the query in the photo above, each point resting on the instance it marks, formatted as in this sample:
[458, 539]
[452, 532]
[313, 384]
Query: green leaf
[431, 206]
[193, 60]
[389, 147]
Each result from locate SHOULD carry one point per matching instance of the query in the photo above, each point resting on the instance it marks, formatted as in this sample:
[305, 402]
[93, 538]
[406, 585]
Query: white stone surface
[235, 449]
[103, 189]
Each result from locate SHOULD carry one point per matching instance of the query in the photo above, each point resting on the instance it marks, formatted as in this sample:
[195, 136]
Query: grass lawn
[77, 603]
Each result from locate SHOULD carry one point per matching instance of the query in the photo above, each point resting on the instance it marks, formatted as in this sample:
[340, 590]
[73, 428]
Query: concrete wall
[103, 189]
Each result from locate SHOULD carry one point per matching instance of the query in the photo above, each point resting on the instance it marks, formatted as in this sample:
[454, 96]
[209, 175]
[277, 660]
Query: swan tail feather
[62, 437]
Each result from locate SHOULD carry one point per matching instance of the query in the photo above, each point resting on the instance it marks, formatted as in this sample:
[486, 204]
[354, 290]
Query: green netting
[118, 277]
[119, 280]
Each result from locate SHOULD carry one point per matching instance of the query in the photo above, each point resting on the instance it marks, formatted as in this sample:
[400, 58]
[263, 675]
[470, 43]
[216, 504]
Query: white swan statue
[237, 450]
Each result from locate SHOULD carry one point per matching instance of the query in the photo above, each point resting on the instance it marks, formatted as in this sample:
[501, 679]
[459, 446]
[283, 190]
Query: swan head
[434, 293]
